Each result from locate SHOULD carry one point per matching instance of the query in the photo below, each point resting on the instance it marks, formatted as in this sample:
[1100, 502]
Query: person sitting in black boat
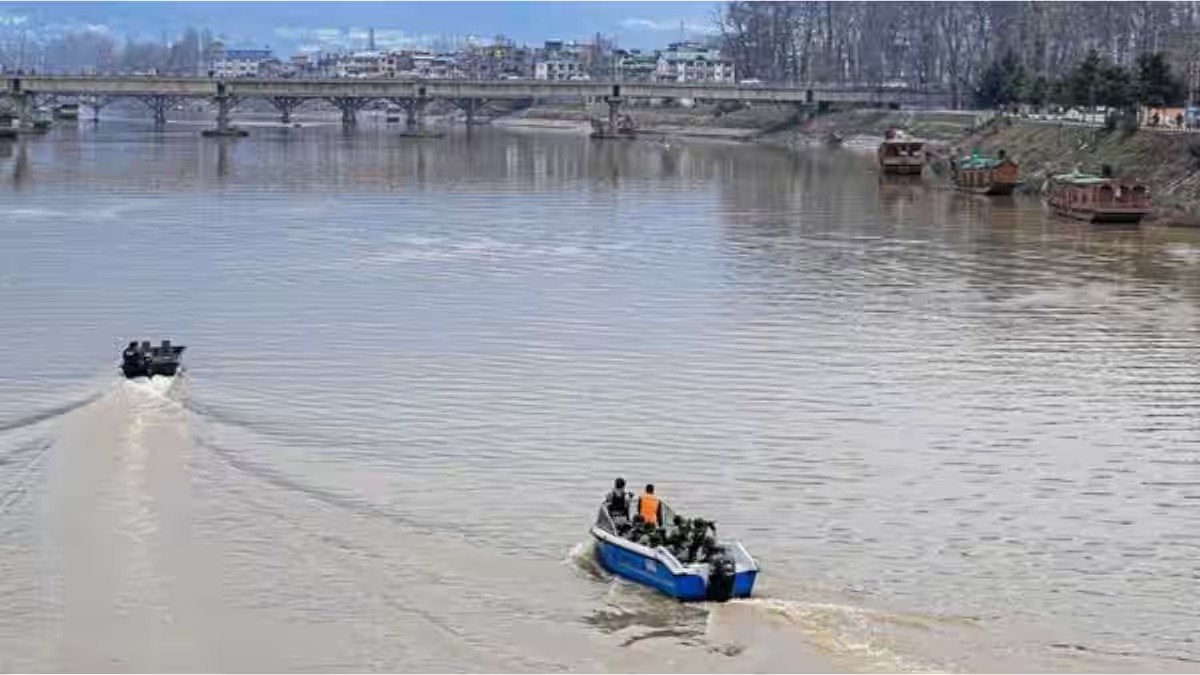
[133, 360]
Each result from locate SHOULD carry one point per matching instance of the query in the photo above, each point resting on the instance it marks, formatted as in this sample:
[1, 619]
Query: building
[367, 64]
[632, 65]
[238, 62]
[301, 65]
[425, 64]
[558, 60]
[503, 59]
[693, 62]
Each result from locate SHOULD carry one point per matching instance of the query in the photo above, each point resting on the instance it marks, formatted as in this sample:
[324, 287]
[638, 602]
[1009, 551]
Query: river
[958, 434]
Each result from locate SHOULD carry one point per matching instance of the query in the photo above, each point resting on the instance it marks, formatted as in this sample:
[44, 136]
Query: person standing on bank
[649, 506]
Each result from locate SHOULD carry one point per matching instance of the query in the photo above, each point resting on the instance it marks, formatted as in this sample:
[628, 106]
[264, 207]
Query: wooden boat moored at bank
[901, 155]
[998, 175]
[1099, 199]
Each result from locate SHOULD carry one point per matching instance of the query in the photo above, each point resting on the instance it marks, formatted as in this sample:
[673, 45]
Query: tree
[1003, 82]
[1083, 84]
[992, 83]
[1038, 91]
[1117, 87]
[1155, 85]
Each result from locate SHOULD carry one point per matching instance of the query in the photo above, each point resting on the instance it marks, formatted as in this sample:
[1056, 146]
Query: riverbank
[1168, 161]
[699, 121]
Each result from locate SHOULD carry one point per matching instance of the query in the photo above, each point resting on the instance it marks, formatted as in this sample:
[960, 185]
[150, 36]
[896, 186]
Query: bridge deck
[459, 89]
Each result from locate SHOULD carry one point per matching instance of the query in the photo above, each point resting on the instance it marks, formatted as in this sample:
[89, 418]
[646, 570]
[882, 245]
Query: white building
[239, 62]
[691, 62]
[558, 68]
[558, 60]
[367, 65]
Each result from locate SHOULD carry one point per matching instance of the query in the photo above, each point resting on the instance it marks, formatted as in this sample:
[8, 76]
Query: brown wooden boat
[997, 175]
[899, 154]
[1099, 199]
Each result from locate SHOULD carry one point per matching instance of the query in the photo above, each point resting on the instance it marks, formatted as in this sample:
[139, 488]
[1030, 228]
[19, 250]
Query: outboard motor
[721, 572]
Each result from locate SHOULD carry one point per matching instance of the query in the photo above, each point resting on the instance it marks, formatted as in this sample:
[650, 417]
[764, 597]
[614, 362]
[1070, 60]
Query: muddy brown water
[957, 433]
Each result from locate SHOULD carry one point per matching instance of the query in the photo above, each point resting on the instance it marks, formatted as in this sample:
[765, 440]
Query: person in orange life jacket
[650, 507]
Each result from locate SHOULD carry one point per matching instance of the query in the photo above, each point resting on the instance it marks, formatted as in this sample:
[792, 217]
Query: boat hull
[902, 169]
[993, 190]
[1102, 216]
[642, 566]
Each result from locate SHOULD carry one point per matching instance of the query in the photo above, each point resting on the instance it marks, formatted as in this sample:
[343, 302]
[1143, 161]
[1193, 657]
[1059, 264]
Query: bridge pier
[349, 105]
[24, 106]
[159, 104]
[613, 127]
[414, 115]
[225, 105]
[226, 102]
[96, 103]
[285, 105]
[469, 106]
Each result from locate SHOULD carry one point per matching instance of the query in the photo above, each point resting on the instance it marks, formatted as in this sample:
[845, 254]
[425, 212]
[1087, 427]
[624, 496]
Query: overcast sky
[288, 26]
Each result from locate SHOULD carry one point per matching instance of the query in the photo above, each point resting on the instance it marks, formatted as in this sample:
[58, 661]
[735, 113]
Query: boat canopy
[977, 162]
[1080, 178]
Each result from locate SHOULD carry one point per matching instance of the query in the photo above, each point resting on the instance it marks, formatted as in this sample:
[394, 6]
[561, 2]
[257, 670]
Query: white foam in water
[152, 389]
[838, 629]
[582, 556]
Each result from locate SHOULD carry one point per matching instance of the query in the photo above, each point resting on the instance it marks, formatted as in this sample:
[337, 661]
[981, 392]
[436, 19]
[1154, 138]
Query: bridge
[412, 95]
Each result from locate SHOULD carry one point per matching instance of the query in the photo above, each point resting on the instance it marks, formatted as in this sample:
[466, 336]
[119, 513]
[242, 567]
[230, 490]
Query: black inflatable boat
[143, 360]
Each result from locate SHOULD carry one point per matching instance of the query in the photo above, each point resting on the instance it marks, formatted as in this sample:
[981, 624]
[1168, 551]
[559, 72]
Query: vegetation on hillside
[955, 44]
[1093, 81]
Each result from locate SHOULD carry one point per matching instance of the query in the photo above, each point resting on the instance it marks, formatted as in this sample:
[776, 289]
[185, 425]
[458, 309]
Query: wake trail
[48, 414]
[21, 477]
[333, 498]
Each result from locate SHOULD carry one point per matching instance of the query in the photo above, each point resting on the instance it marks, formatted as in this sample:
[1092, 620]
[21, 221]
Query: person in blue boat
[680, 537]
[617, 502]
[649, 506]
[704, 540]
[638, 531]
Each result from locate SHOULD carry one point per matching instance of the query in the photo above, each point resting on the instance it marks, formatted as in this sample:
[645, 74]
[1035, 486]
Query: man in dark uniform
[617, 501]
[638, 531]
[702, 542]
[657, 537]
[679, 537]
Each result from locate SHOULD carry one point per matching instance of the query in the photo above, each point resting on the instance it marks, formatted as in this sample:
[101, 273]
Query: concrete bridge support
[159, 104]
[470, 107]
[612, 127]
[225, 105]
[23, 104]
[349, 105]
[96, 103]
[414, 114]
[614, 112]
[286, 105]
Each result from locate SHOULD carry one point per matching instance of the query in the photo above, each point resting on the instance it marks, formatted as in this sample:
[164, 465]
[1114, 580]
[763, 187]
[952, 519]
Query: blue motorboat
[728, 572]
